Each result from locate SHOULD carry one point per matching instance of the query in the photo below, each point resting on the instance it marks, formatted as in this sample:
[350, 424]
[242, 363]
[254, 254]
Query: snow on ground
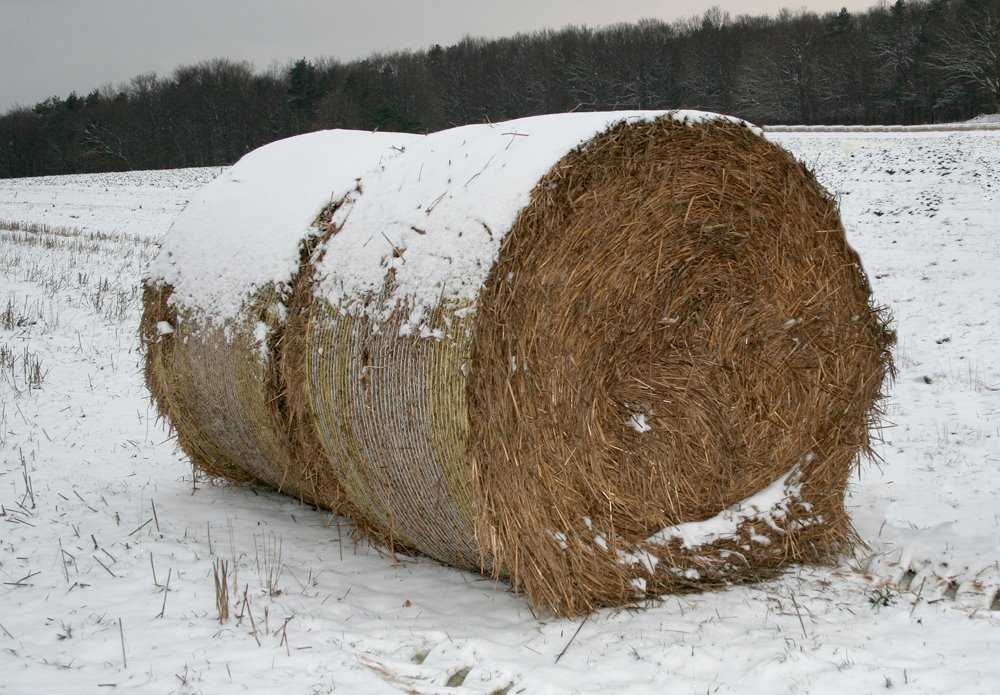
[986, 118]
[134, 202]
[922, 211]
[109, 546]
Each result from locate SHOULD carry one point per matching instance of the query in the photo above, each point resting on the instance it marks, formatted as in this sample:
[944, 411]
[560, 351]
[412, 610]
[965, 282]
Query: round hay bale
[216, 307]
[606, 356]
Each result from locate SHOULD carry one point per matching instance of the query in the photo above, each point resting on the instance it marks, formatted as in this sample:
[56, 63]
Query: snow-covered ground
[986, 118]
[109, 546]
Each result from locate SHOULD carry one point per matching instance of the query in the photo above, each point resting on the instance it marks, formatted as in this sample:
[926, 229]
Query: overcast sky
[53, 47]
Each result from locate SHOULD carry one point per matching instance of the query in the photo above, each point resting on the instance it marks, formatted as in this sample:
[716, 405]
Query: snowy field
[110, 548]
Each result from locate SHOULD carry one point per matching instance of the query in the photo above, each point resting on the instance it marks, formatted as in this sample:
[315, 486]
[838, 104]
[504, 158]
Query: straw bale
[656, 375]
[219, 386]
[216, 303]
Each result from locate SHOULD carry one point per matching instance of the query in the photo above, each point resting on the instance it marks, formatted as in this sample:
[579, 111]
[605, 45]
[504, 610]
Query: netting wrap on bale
[604, 356]
[217, 301]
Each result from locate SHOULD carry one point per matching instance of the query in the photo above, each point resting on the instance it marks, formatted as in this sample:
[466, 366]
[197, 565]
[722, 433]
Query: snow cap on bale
[603, 355]
[243, 231]
[216, 307]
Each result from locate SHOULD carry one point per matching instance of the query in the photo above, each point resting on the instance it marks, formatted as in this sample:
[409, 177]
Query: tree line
[911, 61]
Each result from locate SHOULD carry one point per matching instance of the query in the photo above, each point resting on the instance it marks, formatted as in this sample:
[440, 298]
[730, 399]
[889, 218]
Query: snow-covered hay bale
[216, 307]
[605, 356]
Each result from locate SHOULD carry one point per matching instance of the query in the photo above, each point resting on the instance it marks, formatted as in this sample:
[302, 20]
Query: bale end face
[675, 323]
[170, 385]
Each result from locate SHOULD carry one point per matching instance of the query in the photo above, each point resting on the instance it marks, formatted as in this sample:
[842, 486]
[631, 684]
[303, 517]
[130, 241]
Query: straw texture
[220, 387]
[216, 307]
[690, 325]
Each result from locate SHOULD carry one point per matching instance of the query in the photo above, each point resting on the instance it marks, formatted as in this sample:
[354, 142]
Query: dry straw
[216, 373]
[696, 283]
[664, 384]
[220, 388]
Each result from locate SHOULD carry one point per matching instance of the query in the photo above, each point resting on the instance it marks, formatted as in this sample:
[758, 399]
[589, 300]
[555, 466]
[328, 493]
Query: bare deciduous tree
[968, 49]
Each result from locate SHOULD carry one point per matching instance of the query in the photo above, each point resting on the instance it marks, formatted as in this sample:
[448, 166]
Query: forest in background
[905, 62]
